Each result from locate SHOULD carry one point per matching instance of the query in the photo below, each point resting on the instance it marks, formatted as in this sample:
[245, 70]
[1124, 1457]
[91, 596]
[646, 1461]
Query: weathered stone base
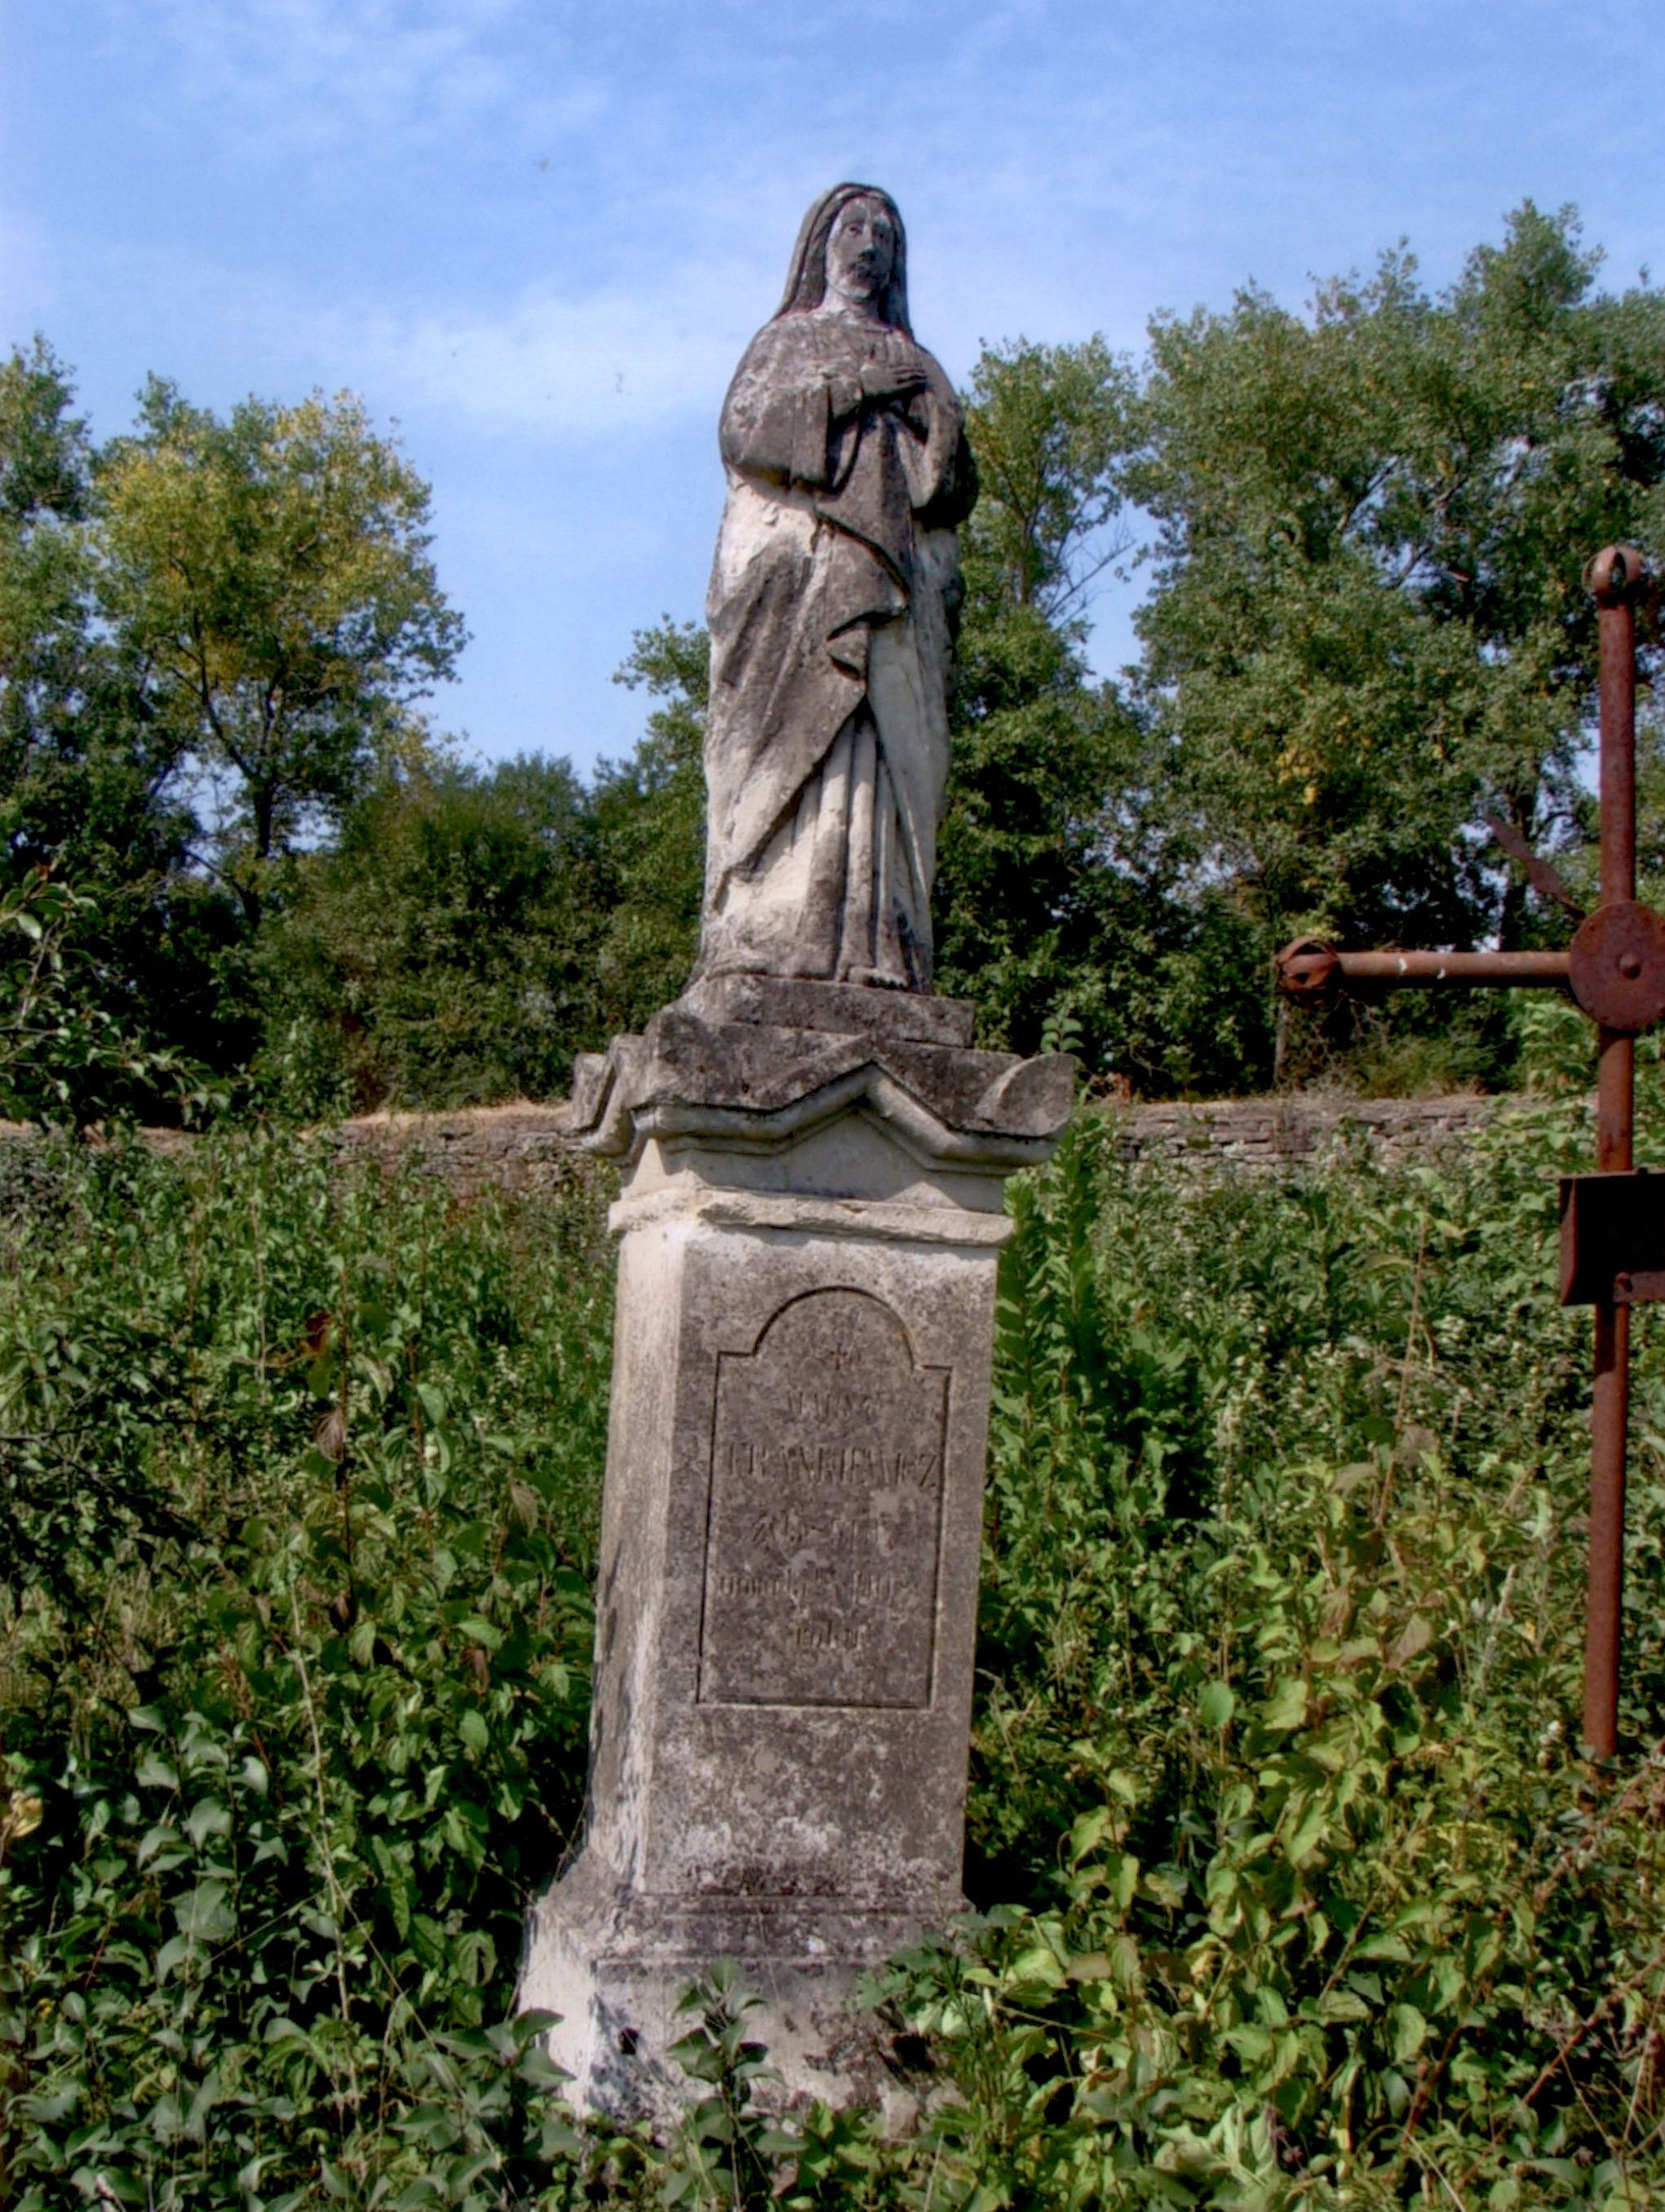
[785, 1624]
[785, 1614]
[615, 1967]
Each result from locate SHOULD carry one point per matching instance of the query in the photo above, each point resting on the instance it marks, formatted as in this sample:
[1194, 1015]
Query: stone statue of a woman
[832, 605]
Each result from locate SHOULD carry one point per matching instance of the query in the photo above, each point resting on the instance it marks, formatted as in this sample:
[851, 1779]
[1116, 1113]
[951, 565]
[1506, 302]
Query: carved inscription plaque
[826, 1512]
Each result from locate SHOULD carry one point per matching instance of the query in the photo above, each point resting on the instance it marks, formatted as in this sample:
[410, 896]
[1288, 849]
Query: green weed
[1291, 1884]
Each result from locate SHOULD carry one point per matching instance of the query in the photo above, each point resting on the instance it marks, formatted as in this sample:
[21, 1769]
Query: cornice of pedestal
[754, 1064]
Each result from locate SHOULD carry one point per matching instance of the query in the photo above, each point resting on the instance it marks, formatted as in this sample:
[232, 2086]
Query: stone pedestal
[786, 1606]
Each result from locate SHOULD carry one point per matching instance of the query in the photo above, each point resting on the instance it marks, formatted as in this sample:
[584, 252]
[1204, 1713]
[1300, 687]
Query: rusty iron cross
[1612, 1222]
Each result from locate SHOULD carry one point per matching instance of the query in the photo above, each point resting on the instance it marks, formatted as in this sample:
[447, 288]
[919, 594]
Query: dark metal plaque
[1612, 1238]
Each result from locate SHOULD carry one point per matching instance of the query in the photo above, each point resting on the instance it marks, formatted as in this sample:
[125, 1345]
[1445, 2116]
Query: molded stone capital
[754, 1063]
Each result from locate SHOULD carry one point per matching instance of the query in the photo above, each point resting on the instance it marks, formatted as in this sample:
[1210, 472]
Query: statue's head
[858, 230]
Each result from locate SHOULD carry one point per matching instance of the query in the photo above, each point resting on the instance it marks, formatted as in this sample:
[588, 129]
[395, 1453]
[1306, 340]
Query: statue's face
[861, 253]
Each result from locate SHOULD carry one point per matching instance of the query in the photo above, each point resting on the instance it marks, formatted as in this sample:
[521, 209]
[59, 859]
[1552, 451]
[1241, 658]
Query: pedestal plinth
[788, 1596]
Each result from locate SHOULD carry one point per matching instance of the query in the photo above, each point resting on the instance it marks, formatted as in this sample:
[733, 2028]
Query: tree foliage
[44, 465]
[1051, 425]
[213, 636]
[1367, 629]
[269, 578]
[1067, 902]
[1365, 637]
[443, 951]
[87, 785]
[650, 822]
[471, 928]
[64, 1057]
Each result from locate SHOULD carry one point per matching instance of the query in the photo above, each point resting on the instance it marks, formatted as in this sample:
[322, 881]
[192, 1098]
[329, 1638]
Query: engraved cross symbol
[1612, 1223]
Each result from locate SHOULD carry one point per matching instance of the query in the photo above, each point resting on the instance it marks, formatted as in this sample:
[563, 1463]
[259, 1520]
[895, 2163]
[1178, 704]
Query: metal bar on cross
[1612, 1222]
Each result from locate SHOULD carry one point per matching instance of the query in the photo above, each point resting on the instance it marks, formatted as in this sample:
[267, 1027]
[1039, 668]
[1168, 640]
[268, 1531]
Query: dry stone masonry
[528, 1147]
[1298, 1129]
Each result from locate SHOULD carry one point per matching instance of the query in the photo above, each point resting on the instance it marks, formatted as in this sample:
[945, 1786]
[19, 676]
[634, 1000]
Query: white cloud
[545, 362]
[275, 73]
[563, 365]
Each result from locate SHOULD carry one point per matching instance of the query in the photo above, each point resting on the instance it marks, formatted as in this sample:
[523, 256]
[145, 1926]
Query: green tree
[1051, 427]
[45, 463]
[650, 825]
[1058, 874]
[64, 1056]
[443, 951]
[80, 773]
[471, 929]
[269, 579]
[86, 784]
[1367, 631]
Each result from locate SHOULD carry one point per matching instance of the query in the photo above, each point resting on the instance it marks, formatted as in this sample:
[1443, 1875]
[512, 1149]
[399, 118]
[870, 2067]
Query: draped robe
[831, 607]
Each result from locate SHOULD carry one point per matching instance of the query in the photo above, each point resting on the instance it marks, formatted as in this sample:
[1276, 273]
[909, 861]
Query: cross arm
[1614, 969]
[1309, 971]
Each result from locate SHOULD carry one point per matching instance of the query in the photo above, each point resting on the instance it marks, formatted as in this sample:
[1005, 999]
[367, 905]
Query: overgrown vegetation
[299, 1498]
[1292, 1885]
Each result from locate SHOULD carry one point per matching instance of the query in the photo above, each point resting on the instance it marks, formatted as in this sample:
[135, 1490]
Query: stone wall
[523, 1146]
[1293, 1127]
[520, 1147]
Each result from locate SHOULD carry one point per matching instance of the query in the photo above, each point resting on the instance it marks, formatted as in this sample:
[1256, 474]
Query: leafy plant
[293, 1661]
[63, 1055]
[1291, 1884]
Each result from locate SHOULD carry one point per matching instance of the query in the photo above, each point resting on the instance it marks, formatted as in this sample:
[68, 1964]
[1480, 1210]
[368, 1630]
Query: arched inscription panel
[825, 1518]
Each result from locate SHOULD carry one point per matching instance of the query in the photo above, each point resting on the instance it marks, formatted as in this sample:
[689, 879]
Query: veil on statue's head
[806, 284]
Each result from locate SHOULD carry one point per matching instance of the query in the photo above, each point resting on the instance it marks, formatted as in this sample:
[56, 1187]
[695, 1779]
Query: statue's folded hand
[886, 379]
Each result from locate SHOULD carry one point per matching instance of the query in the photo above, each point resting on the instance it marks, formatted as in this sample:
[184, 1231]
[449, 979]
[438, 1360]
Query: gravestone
[813, 1161]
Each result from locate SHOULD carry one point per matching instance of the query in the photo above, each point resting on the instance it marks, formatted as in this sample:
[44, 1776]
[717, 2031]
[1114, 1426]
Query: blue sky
[537, 234]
